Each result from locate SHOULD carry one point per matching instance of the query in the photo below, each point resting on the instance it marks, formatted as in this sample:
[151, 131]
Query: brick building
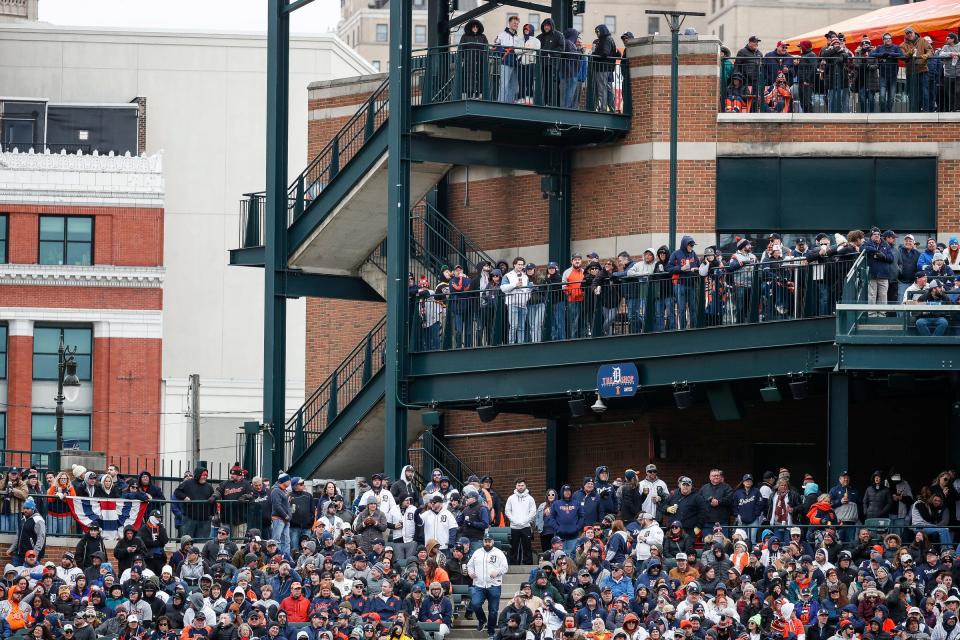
[81, 247]
[739, 175]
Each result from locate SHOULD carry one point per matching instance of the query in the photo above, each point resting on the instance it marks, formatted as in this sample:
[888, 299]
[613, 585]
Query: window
[3, 432]
[611, 22]
[66, 240]
[653, 25]
[46, 342]
[382, 33]
[376, 65]
[3, 238]
[420, 34]
[3, 352]
[76, 432]
[720, 33]
[534, 20]
[578, 23]
[713, 6]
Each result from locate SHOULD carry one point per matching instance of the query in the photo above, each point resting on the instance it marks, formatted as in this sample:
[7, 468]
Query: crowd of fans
[866, 76]
[630, 557]
[663, 290]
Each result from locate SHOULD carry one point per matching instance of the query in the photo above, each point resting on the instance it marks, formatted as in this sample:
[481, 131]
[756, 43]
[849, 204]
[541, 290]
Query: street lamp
[68, 384]
[674, 21]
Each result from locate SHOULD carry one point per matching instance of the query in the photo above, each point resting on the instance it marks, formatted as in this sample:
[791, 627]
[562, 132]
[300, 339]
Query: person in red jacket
[296, 606]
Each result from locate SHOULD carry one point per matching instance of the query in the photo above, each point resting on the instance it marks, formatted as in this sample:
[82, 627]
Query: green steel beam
[438, 35]
[296, 4]
[913, 353]
[299, 284]
[476, 12]
[701, 355]
[339, 430]
[249, 257]
[398, 237]
[562, 14]
[557, 453]
[559, 216]
[275, 255]
[318, 208]
[838, 427]
[604, 127]
[427, 149]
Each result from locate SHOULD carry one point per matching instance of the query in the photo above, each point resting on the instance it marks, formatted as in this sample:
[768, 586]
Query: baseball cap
[680, 556]
[651, 468]
[753, 39]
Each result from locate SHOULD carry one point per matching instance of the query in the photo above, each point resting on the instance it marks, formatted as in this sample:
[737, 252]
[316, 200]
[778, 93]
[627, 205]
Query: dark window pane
[51, 228]
[79, 253]
[80, 229]
[51, 252]
[46, 344]
[3, 227]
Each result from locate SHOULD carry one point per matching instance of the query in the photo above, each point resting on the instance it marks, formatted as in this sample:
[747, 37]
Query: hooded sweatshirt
[683, 256]
[521, 509]
[566, 517]
[403, 487]
[550, 40]
[569, 65]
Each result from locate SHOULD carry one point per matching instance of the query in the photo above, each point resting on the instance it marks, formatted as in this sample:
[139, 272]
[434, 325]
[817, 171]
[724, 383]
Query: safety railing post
[332, 409]
[334, 158]
[298, 202]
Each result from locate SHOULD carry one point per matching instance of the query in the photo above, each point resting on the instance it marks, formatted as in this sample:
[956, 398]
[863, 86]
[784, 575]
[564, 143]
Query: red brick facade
[119, 298]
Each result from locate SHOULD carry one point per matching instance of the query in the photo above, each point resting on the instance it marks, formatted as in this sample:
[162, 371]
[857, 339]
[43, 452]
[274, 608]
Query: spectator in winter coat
[683, 264]
[748, 506]
[889, 56]
[916, 52]
[370, 524]
[569, 67]
[877, 502]
[908, 258]
[566, 518]
[686, 506]
[521, 510]
[593, 507]
[845, 500]
[748, 63]
[196, 493]
[128, 547]
[880, 263]
[508, 42]
[602, 67]
[718, 497]
[551, 44]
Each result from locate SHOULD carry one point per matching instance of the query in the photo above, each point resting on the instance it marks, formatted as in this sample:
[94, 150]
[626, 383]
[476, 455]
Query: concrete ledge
[843, 118]
[660, 45]
[344, 86]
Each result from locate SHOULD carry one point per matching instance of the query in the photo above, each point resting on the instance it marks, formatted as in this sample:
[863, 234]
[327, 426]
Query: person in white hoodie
[521, 511]
[650, 534]
[404, 543]
[516, 289]
[486, 568]
[438, 523]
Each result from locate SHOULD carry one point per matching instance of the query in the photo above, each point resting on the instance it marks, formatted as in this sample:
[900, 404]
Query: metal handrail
[492, 73]
[326, 402]
[342, 148]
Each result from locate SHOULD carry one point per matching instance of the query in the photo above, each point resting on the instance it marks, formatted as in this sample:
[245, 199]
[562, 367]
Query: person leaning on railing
[932, 322]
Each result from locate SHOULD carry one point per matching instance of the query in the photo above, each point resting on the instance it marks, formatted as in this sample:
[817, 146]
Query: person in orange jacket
[821, 512]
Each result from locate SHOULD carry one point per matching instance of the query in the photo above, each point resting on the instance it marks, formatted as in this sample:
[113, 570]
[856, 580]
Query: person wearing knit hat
[32, 535]
[280, 513]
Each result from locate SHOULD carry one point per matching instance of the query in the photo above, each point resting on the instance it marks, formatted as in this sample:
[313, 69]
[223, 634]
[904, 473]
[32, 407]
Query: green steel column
[559, 221]
[275, 231]
[674, 90]
[556, 452]
[838, 426]
[562, 14]
[398, 241]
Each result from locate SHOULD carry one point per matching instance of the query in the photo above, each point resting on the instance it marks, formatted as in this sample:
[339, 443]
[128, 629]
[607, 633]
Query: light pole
[68, 384]
[674, 21]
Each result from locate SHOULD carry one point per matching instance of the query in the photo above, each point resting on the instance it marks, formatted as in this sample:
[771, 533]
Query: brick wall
[19, 391]
[505, 457]
[126, 397]
[501, 212]
[80, 297]
[334, 328]
[123, 236]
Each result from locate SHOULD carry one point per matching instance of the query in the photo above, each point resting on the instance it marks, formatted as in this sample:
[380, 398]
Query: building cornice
[104, 276]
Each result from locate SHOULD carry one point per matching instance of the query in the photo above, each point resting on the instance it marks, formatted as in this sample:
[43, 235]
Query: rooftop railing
[833, 83]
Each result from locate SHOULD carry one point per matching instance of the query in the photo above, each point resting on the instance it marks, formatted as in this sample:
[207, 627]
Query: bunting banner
[111, 515]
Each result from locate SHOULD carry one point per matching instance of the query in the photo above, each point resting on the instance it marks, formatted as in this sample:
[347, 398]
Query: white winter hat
[78, 471]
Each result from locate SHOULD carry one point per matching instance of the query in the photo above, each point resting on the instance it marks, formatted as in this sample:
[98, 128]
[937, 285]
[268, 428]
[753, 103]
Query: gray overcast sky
[225, 15]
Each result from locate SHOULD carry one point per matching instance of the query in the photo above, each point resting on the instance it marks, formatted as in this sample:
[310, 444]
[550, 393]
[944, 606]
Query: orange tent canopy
[934, 18]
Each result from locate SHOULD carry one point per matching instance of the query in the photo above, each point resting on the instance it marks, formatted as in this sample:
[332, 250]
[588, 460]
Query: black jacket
[691, 509]
[198, 507]
[125, 557]
[550, 40]
[470, 40]
[302, 517]
[88, 546]
[604, 47]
